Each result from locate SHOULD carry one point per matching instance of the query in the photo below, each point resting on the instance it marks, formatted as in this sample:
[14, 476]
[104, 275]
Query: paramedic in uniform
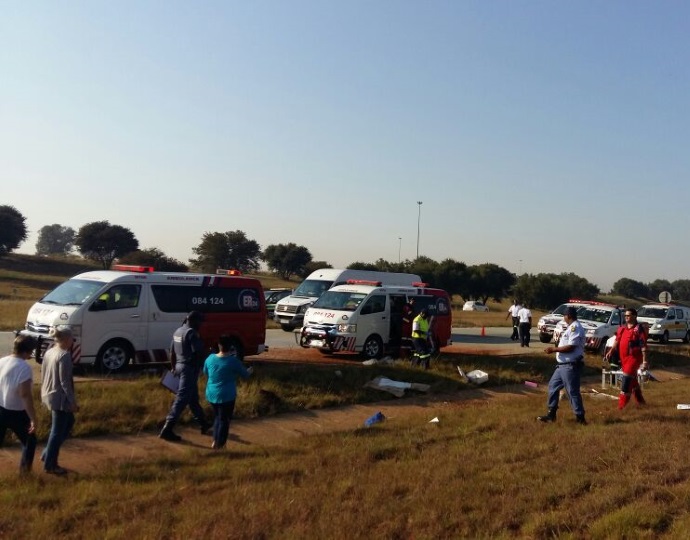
[187, 356]
[420, 337]
[570, 355]
[513, 314]
[631, 344]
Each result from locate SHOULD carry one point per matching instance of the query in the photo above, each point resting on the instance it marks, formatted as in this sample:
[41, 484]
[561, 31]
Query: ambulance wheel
[239, 350]
[114, 355]
[686, 338]
[664, 337]
[373, 348]
[544, 338]
[286, 328]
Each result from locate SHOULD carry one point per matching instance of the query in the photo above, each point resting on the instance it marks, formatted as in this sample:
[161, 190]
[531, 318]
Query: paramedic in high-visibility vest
[631, 344]
[420, 337]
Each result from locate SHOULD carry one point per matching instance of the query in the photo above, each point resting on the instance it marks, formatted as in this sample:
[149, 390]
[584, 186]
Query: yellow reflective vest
[420, 327]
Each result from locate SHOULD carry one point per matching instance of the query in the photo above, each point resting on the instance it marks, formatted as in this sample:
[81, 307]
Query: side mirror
[99, 305]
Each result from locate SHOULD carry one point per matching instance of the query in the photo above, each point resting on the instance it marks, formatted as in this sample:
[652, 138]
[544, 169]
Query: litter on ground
[397, 388]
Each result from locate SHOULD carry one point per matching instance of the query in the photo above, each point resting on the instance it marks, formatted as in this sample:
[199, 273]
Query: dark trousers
[19, 422]
[187, 394]
[516, 322]
[566, 376]
[421, 355]
[524, 333]
[221, 423]
[61, 426]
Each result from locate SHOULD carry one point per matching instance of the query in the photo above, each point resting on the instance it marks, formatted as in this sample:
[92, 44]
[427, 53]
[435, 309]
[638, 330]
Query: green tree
[103, 242]
[12, 229]
[231, 250]
[358, 265]
[658, 286]
[490, 280]
[630, 288]
[286, 259]
[55, 240]
[153, 257]
[452, 276]
[546, 291]
[680, 289]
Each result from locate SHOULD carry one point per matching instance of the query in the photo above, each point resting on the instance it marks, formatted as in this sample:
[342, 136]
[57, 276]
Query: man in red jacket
[631, 343]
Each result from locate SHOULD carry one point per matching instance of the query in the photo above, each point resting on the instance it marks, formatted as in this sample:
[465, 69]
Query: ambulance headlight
[657, 326]
[347, 328]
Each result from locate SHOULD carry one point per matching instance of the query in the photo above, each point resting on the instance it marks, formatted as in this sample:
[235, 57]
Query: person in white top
[16, 398]
[513, 313]
[525, 325]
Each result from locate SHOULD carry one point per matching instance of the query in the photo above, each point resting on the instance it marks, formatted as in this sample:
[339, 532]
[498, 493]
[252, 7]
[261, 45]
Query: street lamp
[419, 216]
[399, 247]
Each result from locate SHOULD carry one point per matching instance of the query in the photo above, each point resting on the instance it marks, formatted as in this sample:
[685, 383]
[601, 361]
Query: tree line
[105, 243]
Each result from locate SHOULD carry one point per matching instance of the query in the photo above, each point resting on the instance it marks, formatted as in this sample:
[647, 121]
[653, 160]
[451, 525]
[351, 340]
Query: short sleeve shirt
[524, 315]
[13, 372]
[514, 310]
[573, 335]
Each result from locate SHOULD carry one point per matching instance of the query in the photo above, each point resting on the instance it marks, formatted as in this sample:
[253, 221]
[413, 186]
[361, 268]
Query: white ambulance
[289, 312]
[599, 320]
[366, 317]
[129, 314]
[666, 321]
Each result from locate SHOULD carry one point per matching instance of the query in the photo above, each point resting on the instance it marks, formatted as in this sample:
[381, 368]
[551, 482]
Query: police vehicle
[548, 322]
[599, 320]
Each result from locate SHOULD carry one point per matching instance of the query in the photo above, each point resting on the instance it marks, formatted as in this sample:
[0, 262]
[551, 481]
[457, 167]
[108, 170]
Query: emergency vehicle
[366, 317]
[289, 312]
[548, 322]
[666, 321]
[599, 320]
[129, 314]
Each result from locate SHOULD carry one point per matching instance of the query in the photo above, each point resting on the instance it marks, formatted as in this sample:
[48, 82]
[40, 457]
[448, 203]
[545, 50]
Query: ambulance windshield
[340, 300]
[652, 312]
[72, 293]
[312, 288]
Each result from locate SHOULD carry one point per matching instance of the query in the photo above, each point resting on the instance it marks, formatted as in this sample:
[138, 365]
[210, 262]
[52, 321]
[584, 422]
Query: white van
[367, 318]
[130, 314]
[289, 312]
[666, 321]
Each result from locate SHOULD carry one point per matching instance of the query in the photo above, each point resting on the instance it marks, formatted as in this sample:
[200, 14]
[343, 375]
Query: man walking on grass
[570, 355]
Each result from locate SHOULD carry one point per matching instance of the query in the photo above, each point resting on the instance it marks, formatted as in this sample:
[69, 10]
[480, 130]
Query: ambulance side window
[679, 313]
[616, 318]
[118, 297]
[375, 304]
[671, 315]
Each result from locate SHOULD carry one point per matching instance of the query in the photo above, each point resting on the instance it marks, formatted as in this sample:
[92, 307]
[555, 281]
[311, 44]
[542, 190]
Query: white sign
[665, 297]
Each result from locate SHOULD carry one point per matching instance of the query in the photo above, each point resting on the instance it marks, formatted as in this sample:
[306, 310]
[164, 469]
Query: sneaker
[168, 435]
[57, 471]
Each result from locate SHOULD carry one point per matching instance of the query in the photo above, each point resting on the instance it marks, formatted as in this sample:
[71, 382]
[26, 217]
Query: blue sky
[542, 136]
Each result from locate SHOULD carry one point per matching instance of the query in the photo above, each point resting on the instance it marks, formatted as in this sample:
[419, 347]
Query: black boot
[548, 417]
[580, 419]
[204, 427]
[167, 433]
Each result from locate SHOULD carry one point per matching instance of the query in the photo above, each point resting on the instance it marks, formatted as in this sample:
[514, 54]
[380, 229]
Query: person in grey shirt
[57, 394]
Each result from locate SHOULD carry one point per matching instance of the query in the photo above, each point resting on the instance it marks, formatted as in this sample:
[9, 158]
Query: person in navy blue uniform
[187, 358]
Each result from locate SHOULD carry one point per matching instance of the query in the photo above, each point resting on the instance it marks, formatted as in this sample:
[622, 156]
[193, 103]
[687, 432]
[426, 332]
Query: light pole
[399, 247]
[419, 216]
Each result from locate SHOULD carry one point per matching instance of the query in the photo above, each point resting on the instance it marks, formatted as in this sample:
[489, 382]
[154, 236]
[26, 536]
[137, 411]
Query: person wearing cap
[186, 358]
[631, 346]
[17, 411]
[570, 355]
[57, 394]
[420, 337]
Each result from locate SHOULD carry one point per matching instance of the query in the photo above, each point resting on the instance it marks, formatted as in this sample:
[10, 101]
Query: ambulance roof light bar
[224, 272]
[133, 268]
[420, 284]
[363, 282]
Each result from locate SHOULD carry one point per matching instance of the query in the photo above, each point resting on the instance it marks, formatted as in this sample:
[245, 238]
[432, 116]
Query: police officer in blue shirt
[570, 355]
[187, 357]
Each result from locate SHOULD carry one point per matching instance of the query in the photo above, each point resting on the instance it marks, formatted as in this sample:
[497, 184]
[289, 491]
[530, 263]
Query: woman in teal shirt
[221, 370]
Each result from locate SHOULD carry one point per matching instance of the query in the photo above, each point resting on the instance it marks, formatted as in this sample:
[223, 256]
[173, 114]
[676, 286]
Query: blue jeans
[221, 423]
[62, 424]
[566, 376]
[187, 394]
[18, 422]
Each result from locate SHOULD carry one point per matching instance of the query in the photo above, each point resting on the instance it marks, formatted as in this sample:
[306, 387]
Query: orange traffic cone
[483, 333]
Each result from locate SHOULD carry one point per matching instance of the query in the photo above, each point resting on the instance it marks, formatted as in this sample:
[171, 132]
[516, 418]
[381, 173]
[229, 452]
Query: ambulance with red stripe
[366, 317]
[128, 314]
[599, 320]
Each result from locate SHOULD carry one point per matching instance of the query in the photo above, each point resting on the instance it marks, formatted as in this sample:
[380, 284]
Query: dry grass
[487, 470]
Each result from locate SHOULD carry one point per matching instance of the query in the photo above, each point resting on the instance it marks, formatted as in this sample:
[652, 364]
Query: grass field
[486, 470]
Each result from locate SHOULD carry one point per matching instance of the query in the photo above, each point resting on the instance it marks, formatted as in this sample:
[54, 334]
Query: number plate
[316, 343]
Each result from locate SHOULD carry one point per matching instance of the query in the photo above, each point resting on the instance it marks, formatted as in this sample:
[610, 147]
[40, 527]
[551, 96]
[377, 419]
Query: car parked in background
[666, 321]
[272, 296]
[474, 305]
